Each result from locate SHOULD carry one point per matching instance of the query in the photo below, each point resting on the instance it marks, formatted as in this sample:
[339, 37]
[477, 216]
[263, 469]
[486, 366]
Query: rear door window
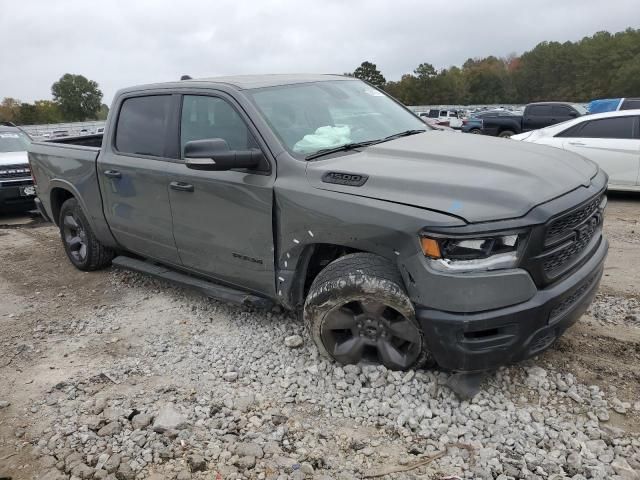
[630, 104]
[539, 110]
[561, 111]
[143, 124]
[573, 132]
[617, 127]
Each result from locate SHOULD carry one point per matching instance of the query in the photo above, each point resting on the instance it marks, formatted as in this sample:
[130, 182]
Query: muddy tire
[357, 310]
[506, 134]
[83, 249]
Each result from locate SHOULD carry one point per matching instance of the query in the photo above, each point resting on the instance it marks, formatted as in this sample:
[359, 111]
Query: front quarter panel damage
[307, 217]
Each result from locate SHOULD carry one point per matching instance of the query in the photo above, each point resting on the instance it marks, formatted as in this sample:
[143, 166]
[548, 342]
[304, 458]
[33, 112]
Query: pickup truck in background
[474, 123]
[535, 116]
[396, 243]
[16, 185]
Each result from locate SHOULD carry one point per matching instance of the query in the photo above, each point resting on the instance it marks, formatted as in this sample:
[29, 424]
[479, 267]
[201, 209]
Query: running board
[209, 289]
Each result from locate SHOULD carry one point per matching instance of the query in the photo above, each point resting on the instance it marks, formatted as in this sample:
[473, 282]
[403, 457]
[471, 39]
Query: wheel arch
[60, 191]
[57, 197]
[311, 261]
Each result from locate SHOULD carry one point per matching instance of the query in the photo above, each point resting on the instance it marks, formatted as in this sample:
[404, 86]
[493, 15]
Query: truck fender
[103, 233]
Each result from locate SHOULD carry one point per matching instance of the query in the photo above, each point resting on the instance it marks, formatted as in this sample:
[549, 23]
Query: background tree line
[75, 99]
[601, 66]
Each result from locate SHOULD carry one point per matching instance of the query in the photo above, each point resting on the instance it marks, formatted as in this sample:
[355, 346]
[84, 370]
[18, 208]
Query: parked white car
[611, 139]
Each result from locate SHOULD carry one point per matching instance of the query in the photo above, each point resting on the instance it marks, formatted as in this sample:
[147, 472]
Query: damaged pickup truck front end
[496, 256]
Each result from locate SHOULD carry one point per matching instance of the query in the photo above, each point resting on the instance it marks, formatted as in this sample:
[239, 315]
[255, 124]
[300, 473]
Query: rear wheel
[83, 249]
[358, 311]
[506, 134]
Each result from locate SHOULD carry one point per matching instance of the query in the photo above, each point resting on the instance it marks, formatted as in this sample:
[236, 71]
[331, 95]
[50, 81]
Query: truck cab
[542, 114]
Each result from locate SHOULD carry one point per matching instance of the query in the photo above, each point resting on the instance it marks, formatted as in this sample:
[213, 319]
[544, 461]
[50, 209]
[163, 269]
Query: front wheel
[83, 249]
[506, 134]
[358, 311]
[475, 131]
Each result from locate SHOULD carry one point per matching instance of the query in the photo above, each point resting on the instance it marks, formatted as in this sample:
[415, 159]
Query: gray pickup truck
[396, 243]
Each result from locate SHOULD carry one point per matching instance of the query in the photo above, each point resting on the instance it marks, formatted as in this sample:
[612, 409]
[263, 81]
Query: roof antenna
[185, 77]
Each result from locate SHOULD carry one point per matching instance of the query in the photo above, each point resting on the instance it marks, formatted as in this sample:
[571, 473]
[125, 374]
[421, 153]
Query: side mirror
[573, 114]
[213, 154]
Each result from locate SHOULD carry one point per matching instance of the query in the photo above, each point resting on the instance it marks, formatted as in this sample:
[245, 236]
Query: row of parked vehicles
[610, 138]
[504, 122]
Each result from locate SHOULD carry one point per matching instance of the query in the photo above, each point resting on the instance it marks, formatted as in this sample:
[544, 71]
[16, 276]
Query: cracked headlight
[494, 252]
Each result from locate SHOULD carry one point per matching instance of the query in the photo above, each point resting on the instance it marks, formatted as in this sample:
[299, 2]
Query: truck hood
[473, 177]
[13, 158]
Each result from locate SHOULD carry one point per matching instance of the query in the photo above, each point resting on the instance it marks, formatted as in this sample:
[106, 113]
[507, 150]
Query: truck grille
[569, 236]
[14, 171]
[564, 225]
[558, 259]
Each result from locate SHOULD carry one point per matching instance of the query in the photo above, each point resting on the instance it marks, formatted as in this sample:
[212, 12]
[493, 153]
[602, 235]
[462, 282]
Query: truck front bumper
[477, 341]
[12, 199]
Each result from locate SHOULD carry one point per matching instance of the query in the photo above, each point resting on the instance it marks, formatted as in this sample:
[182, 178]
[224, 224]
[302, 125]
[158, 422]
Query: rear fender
[97, 222]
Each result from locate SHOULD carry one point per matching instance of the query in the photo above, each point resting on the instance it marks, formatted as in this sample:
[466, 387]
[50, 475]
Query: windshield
[581, 109]
[316, 116]
[13, 142]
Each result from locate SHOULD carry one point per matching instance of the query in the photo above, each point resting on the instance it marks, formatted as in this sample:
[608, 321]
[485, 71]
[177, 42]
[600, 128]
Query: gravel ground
[115, 375]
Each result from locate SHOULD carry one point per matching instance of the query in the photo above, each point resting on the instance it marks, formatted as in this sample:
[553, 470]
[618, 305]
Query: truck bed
[67, 164]
[496, 125]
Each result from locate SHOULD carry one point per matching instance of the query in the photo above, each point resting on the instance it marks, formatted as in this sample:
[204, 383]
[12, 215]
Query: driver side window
[206, 117]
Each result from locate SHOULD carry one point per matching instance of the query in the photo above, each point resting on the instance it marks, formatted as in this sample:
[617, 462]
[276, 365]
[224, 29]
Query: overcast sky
[120, 43]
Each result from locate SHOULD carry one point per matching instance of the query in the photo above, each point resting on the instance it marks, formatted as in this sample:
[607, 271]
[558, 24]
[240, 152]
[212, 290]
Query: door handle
[112, 174]
[580, 144]
[181, 186]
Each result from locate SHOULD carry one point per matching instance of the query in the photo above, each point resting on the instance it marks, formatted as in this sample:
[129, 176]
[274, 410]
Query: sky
[121, 43]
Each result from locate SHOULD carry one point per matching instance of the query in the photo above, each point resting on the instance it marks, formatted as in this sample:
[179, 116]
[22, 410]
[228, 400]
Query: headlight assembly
[468, 254]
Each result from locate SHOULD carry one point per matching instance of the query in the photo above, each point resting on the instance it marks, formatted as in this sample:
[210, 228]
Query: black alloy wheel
[80, 244]
[369, 330]
[75, 237]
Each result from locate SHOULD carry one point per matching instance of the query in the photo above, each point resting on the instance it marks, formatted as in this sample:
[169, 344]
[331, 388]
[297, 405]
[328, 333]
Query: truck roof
[245, 82]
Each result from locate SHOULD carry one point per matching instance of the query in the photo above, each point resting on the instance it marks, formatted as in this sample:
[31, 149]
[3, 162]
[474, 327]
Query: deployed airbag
[324, 137]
